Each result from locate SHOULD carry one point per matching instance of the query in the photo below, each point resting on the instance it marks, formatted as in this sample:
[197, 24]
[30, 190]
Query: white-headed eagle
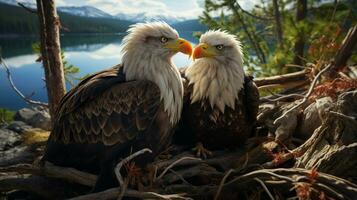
[124, 109]
[220, 101]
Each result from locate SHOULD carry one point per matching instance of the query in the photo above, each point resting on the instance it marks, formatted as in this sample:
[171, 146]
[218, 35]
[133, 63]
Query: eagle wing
[186, 86]
[105, 108]
[251, 99]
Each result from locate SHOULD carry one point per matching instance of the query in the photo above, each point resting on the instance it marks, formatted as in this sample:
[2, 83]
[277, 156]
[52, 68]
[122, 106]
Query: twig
[201, 170]
[281, 97]
[294, 65]
[283, 79]
[26, 8]
[113, 192]
[343, 116]
[169, 196]
[120, 165]
[252, 15]
[222, 183]
[265, 188]
[311, 89]
[173, 164]
[28, 100]
[50, 170]
[180, 176]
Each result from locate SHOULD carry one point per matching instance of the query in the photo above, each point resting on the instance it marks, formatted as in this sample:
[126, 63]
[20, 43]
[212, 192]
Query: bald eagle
[220, 101]
[126, 108]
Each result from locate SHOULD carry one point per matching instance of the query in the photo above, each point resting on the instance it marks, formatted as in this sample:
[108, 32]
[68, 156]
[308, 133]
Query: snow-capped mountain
[143, 17]
[84, 11]
[89, 11]
[24, 2]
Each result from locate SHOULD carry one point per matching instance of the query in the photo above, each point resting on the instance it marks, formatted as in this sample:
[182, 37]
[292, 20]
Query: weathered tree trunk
[336, 141]
[51, 52]
[300, 41]
[344, 52]
[279, 31]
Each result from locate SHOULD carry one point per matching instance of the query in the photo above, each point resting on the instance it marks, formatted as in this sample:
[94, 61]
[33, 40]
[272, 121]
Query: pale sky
[179, 8]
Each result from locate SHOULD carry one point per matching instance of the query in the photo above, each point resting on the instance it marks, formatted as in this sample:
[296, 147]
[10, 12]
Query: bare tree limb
[304, 100]
[265, 188]
[345, 51]
[26, 8]
[117, 168]
[18, 92]
[222, 183]
[50, 170]
[114, 192]
[281, 97]
[173, 164]
[281, 79]
[343, 115]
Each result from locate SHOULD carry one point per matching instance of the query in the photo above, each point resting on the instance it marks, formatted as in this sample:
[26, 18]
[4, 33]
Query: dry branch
[345, 51]
[114, 192]
[173, 164]
[222, 183]
[304, 100]
[18, 92]
[283, 79]
[118, 167]
[50, 170]
[26, 8]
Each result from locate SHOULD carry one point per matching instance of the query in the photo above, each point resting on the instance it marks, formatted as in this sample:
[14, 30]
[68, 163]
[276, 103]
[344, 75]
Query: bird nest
[316, 168]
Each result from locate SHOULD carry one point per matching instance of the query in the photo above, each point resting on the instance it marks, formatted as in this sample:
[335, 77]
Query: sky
[179, 8]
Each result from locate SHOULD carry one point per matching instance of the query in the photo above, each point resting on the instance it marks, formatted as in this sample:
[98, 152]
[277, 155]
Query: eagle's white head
[217, 74]
[147, 51]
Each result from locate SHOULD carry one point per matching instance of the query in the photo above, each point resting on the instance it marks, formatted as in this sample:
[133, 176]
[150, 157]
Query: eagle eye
[163, 39]
[219, 47]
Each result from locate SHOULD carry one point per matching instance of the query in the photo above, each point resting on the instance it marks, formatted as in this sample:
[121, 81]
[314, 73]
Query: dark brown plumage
[211, 127]
[102, 119]
[124, 109]
[220, 101]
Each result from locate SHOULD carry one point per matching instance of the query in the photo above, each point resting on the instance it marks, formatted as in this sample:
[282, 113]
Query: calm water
[91, 53]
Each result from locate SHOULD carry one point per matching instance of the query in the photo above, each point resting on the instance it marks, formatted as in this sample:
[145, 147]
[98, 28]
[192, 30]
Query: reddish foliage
[313, 175]
[325, 46]
[333, 88]
[134, 174]
[303, 191]
[132, 169]
[322, 196]
[277, 158]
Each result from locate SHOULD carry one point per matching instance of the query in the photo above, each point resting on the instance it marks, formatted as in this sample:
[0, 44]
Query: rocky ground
[30, 125]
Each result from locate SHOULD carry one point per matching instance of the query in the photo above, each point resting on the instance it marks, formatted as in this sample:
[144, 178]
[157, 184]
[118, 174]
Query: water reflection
[91, 53]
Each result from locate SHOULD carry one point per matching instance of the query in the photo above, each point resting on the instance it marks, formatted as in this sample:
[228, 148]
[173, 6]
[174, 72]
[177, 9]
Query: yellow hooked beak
[180, 45]
[204, 50]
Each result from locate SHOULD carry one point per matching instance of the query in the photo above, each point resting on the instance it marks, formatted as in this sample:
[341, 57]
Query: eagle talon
[201, 151]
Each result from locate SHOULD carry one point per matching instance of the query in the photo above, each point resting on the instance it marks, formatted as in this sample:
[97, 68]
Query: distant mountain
[84, 19]
[147, 17]
[84, 11]
[16, 20]
[89, 11]
[190, 25]
[27, 3]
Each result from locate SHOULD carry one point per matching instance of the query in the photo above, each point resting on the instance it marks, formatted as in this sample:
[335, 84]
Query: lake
[90, 53]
